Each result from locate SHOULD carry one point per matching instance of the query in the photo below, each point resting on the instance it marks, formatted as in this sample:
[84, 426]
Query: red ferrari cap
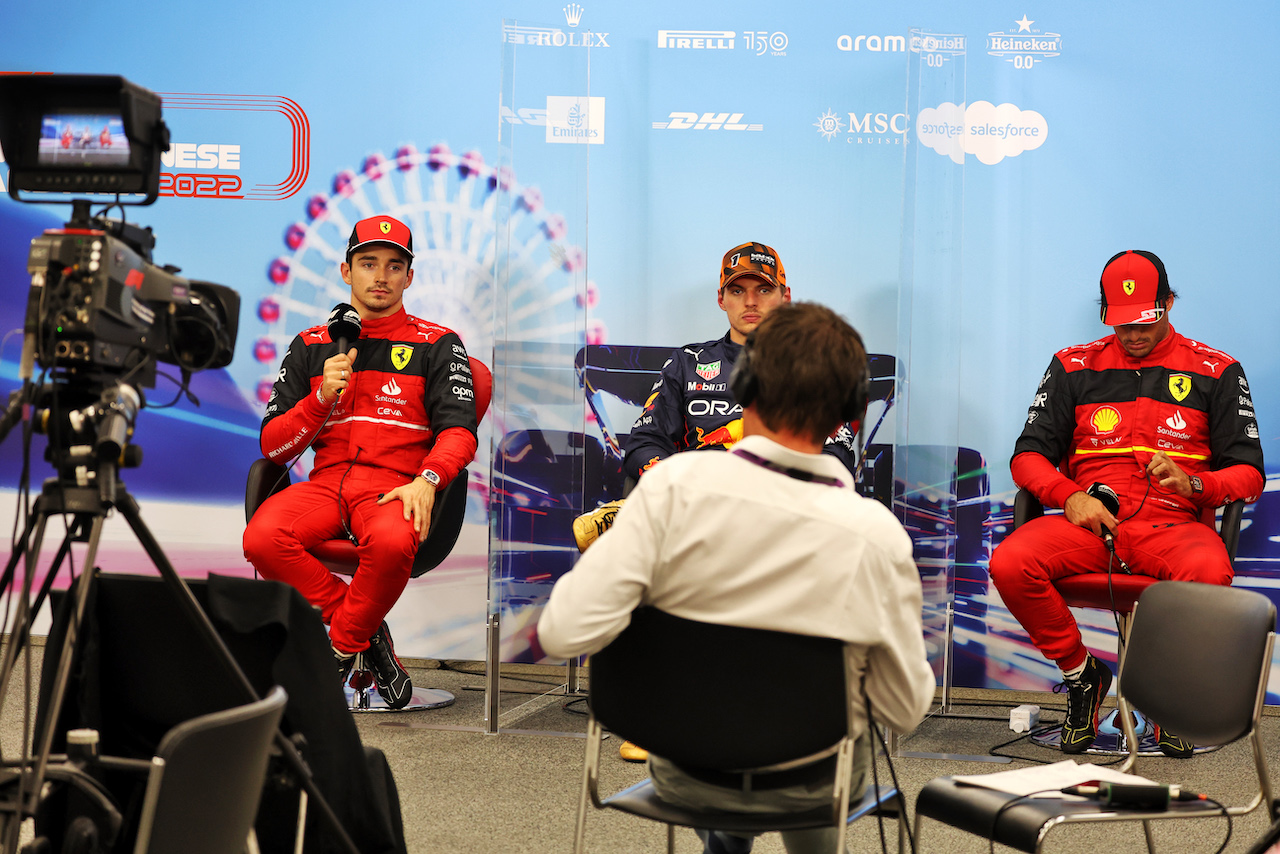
[380, 229]
[752, 259]
[1135, 288]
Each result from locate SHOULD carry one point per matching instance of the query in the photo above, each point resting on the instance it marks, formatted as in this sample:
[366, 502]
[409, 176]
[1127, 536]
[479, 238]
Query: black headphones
[745, 385]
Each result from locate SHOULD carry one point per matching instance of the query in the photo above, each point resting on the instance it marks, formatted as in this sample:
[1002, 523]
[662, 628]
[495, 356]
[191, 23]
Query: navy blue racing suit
[691, 408]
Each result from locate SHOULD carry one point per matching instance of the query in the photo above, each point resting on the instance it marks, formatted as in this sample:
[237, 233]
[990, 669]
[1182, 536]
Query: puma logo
[1212, 366]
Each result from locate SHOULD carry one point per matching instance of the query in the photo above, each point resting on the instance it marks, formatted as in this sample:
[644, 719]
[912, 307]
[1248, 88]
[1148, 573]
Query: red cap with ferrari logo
[380, 229]
[1135, 288]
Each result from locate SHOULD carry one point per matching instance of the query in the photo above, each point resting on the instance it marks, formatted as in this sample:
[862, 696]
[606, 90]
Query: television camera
[100, 313]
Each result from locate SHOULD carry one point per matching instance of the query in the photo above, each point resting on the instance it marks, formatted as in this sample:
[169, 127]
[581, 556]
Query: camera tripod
[89, 500]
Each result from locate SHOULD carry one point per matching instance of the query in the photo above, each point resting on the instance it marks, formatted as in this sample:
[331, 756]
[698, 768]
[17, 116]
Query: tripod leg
[63, 674]
[187, 602]
[29, 547]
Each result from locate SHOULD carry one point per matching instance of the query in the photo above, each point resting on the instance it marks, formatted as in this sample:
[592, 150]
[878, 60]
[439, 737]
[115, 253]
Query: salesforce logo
[982, 129]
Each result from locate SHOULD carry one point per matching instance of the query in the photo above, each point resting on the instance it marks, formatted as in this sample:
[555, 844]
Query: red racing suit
[1099, 416]
[409, 408]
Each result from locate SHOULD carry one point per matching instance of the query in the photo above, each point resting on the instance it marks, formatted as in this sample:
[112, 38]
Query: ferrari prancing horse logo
[385, 227]
[1128, 284]
[400, 356]
[1179, 386]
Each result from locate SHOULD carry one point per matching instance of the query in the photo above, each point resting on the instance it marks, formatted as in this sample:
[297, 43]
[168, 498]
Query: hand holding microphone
[344, 328]
[1111, 503]
[1096, 510]
[1093, 509]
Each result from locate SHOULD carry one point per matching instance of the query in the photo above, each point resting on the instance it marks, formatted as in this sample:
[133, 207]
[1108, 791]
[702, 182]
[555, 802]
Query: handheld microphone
[344, 325]
[1135, 796]
[1111, 501]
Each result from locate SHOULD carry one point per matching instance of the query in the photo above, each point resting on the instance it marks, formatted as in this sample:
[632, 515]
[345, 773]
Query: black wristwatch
[1197, 485]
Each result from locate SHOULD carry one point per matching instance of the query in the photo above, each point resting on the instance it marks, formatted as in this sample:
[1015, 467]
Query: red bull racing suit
[1099, 416]
[408, 409]
[691, 408]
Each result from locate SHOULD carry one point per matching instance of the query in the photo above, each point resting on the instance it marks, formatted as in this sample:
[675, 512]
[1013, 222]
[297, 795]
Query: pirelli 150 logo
[234, 147]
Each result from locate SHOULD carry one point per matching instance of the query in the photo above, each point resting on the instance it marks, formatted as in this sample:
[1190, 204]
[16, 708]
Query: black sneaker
[1173, 746]
[344, 662]
[1084, 700]
[388, 673]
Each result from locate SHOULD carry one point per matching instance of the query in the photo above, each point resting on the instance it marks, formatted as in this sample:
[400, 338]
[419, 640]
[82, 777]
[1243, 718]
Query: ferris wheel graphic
[450, 201]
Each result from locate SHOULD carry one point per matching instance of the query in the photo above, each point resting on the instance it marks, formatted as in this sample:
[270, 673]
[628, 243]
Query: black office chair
[266, 478]
[1116, 592]
[206, 778]
[637, 693]
[1188, 642]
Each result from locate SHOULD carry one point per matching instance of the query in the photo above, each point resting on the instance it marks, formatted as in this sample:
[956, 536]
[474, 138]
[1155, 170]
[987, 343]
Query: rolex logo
[573, 14]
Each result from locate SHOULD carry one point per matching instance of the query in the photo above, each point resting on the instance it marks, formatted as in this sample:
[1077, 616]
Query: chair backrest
[1195, 658]
[745, 698]
[206, 780]
[482, 385]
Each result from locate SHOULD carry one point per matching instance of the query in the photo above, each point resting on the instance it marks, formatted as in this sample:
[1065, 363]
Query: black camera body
[99, 310]
[97, 304]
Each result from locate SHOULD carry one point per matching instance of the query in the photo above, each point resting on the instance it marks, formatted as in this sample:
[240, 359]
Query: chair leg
[590, 770]
[1151, 843]
[671, 839]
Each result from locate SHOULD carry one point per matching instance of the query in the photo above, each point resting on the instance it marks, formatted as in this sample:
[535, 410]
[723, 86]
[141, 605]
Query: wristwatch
[1197, 485]
[431, 477]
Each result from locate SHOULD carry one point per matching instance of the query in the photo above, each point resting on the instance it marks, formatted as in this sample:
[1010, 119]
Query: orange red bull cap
[752, 259]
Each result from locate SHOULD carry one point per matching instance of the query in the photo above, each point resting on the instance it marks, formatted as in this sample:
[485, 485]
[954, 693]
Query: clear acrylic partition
[931, 476]
[547, 124]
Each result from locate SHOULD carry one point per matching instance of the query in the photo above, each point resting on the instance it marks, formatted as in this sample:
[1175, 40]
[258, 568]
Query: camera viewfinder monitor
[80, 134]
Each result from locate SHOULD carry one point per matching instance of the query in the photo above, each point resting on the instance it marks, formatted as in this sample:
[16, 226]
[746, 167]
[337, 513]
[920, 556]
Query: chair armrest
[447, 515]
[1232, 513]
[265, 480]
[1025, 508]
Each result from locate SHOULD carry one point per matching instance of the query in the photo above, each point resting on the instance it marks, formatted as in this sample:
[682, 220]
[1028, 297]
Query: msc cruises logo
[864, 128]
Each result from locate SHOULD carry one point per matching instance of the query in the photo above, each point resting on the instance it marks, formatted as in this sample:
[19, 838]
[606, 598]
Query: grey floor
[462, 790]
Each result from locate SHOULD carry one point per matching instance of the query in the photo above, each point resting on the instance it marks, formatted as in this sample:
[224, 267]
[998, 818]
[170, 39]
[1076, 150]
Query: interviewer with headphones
[770, 535]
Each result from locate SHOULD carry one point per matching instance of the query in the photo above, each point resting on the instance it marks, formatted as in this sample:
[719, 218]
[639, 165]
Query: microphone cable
[1115, 613]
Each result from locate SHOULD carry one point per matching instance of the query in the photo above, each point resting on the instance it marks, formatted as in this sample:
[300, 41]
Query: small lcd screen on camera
[74, 140]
